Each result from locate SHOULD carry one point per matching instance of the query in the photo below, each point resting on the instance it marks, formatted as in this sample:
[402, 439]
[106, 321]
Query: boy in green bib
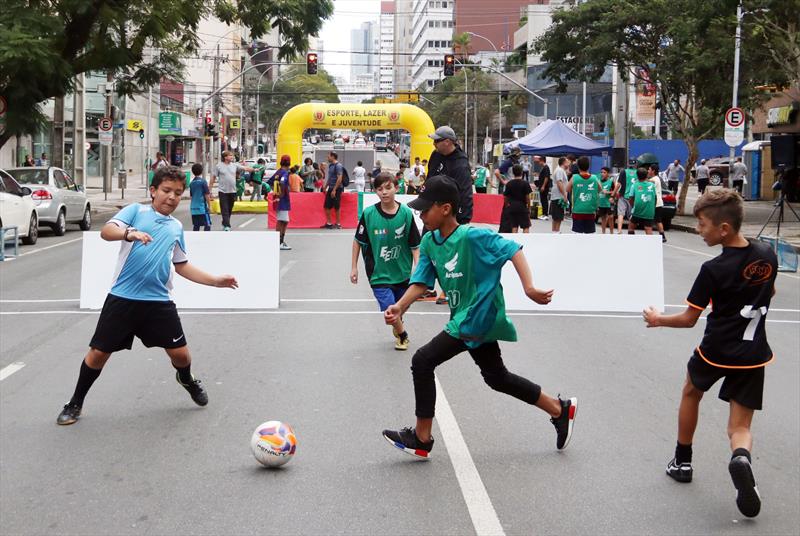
[644, 203]
[585, 191]
[481, 174]
[467, 262]
[388, 238]
[604, 202]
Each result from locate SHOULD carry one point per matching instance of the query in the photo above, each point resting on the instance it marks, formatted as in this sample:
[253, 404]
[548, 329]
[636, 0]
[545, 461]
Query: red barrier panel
[307, 211]
[486, 208]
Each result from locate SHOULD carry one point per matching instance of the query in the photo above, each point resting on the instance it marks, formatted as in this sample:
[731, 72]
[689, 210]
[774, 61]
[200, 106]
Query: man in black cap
[503, 172]
[449, 159]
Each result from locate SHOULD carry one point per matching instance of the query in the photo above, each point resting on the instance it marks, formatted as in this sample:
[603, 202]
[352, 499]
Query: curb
[691, 229]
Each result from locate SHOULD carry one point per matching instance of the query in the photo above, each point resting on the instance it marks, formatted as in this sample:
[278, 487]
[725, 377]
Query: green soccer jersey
[631, 180]
[258, 174]
[386, 243]
[585, 194]
[607, 185]
[480, 177]
[644, 200]
[467, 265]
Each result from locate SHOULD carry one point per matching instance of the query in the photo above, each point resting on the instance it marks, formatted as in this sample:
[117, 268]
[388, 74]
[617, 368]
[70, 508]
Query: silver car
[57, 198]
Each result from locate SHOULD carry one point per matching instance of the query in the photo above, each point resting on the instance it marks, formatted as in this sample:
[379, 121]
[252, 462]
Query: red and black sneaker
[407, 441]
[565, 421]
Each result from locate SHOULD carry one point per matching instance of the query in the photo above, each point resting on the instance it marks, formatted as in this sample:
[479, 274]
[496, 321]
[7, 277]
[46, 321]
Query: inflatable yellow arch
[354, 116]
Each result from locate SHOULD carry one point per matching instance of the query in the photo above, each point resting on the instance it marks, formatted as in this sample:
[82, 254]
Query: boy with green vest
[388, 238]
[604, 203]
[481, 174]
[585, 190]
[624, 193]
[257, 178]
[467, 262]
[644, 203]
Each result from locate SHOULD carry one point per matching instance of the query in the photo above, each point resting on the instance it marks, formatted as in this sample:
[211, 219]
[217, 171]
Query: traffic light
[141, 133]
[311, 63]
[211, 130]
[449, 65]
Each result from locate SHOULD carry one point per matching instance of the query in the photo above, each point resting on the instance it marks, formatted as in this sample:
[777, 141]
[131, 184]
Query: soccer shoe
[400, 342]
[285, 247]
[69, 414]
[195, 389]
[682, 472]
[326, 226]
[407, 441]
[564, 422]
[338, 226]
[747, 498]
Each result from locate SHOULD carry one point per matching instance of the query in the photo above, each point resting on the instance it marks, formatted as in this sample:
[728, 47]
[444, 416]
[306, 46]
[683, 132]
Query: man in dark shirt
[449, 159]
[543, 183]
[503, 173]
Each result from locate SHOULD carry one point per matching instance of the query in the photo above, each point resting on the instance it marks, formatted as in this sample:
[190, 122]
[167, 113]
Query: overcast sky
[348, 15]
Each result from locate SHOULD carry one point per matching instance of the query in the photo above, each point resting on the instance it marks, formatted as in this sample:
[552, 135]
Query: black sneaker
[338, 226]
[564, 422]
[195, 389]
[407, 441]
[747, 498]
[682, 472]
[326, 226]
[69, 414]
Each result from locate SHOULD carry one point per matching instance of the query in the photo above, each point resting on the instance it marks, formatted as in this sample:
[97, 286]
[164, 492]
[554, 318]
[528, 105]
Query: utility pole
[621, 114]
[735, 100]
[108, 149]
[79, 130]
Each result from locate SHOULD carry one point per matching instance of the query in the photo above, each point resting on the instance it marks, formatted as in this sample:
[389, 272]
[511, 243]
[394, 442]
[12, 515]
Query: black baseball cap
[436, 189]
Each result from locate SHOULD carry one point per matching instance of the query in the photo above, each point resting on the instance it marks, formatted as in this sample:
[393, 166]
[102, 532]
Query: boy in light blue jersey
[201, 199]
[139, 304]
[467, 262]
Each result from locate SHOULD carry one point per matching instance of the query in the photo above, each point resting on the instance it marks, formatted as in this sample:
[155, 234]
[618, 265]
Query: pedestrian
[226, 174]
[503, 173]
[200, 200]
[703, 174]
[401, 178]
[558, 195]
[29, 161]
[319, 177]
[584, 189]
[43, 162]
[740, 283]
[418, 165]
[295, 181]
[516, 212]
[240, 183]
[388, 238]
[360, 176]
[543, 183]
[374, 173]
[161, 161]
[308, 174]
[482, 174]
[281, 186]
[644, 203]
[415, 180]
[604, 201]
[739, 174]
[658, 219]
[631, 178]
[526, 169]
[139, 303]
[675, 175]
[468, 262]
[257, 179]
[334, 187]
[449, 159]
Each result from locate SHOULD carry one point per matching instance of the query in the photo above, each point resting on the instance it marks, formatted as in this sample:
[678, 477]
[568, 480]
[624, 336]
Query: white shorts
[282, 215]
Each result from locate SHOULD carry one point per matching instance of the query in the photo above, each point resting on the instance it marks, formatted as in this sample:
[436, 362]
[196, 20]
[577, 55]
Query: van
[381, 141]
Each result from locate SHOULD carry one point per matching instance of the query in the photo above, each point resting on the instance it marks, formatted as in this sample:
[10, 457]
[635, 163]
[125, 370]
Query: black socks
[184, 373]
[741, 452]
[86, 378]
[683, 453]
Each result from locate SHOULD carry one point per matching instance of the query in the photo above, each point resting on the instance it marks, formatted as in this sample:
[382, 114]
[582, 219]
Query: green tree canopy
[43, 45]
[292, 88]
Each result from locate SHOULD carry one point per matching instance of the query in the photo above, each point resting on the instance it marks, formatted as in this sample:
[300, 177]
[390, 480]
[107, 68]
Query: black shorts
[333, 202]
[701, 185]
[636, 220]
[201, 220]
[582, 226]
[658, 215]
[155, 323]
[603, 211]
[556, 211]
[514, 216]
[745, 386]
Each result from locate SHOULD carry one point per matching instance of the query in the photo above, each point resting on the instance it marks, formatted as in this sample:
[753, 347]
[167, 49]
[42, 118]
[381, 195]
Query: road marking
[481, 510]
[286, 268]
[712, 256]
[303, 300]
[40, 301]
[248, 222]
[50, 247]
[8, 370]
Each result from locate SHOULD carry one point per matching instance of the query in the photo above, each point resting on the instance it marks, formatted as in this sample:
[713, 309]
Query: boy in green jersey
[604, 203]
[481, 174]
[644, 203]
[388, 238]
[584, 189]
[467, 261]
[256, 179]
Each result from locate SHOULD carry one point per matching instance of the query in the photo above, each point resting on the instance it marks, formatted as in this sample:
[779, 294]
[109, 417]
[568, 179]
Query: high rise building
[432, 38]
[402, 45]
[362, 50]
[386, 57]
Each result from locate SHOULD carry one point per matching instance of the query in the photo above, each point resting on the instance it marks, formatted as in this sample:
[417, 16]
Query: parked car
[17, 209]
[338, 143]
[359, 142]
[718, 170]
[57, 198]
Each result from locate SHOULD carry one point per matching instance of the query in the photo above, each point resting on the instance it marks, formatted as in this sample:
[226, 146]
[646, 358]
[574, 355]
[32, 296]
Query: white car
[17, 209]
[359, 142]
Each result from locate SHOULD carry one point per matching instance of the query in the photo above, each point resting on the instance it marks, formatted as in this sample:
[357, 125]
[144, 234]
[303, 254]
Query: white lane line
[286, 268]
[51, 247]
[712, 256]
[337, 300]
[248, 222]
[481, 510]
[41, 301]
[8, 370]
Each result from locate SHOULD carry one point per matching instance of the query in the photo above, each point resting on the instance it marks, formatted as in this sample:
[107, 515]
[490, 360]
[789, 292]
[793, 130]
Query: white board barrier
[589, 272]
[253, 258]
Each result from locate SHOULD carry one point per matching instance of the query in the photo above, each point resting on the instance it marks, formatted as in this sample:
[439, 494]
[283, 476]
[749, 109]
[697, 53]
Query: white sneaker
[285, 247]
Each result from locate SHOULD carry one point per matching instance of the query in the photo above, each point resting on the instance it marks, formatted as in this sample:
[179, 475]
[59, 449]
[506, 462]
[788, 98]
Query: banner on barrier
[253, 258]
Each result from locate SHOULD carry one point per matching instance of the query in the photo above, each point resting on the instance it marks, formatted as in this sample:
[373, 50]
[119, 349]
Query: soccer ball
[273, 443]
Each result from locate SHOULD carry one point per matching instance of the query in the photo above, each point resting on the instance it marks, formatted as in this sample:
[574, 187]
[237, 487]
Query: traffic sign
[734, 126]
[105, 124]
[234, 122]
[104, 134]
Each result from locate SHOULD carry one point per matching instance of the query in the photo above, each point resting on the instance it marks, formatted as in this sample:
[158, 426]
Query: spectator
[543, 184]
[516, 203]
[319, 177]
[526, 169]
[504, 173]
[449, 159]
[604, 210]
[739, 174]
[308, 174]
[584, 189]
[43, 161]
[415, 180]
[225, 174]
[201, 200]
[333, 192]
[652, 176]
[703, 174]
[295, 181]
[256, 179]
[374, 175]
[160, 162]
[29, 161]
[482, 174]
[360, 176]
[401, 178]
[558, 194]
[675, 175]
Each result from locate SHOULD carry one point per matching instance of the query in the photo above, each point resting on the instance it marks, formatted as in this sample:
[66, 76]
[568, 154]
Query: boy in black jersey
[739, 284]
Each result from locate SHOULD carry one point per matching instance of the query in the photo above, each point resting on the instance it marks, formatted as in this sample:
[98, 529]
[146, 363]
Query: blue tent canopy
[554, 138]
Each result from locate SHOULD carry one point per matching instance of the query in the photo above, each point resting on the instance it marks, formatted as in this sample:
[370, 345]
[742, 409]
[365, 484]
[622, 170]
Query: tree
[44, 45]
[461, 44]
[687, 47]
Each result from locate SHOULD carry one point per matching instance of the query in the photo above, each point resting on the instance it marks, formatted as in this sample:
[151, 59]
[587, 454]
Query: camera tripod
[780, 210]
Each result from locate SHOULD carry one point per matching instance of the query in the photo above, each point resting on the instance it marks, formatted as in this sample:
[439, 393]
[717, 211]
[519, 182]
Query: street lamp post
[499, 94]
[735, 99]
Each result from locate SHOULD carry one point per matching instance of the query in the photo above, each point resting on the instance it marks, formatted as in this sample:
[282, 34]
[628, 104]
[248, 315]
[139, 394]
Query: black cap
[436, 189]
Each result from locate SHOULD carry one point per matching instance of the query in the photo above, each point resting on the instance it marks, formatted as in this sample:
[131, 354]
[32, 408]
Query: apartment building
[386, 57]
[432, 38]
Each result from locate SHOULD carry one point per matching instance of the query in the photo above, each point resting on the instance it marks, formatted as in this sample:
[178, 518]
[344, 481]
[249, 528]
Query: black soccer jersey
[738, 284]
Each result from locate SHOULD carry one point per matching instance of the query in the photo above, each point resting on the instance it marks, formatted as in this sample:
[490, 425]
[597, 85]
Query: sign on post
[104, 134]
[234, 122]
[734, 126]
[135, 125]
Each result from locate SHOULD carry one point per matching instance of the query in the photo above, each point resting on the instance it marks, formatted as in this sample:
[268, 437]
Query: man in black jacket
[449, 159]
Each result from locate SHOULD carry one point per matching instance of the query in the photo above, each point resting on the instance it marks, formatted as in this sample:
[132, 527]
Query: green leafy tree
[43, 45]
[688, 47]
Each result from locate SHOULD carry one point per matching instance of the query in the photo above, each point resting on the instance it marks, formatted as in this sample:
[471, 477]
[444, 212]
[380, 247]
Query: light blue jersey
[144, 271]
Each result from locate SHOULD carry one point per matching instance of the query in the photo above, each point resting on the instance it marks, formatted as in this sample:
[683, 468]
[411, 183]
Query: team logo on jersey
[388, 254]
[360, 229]
[450, 266]
[584, 197]
[757, 272]
[398, 233]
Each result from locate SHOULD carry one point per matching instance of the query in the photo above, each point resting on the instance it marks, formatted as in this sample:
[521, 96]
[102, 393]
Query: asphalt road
[145, 460]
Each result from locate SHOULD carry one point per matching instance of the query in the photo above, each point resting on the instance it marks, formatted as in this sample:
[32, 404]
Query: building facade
[432, 38]
[386, 57]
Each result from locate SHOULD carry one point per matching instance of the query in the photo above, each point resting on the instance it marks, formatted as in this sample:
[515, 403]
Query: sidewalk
[756, 214]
